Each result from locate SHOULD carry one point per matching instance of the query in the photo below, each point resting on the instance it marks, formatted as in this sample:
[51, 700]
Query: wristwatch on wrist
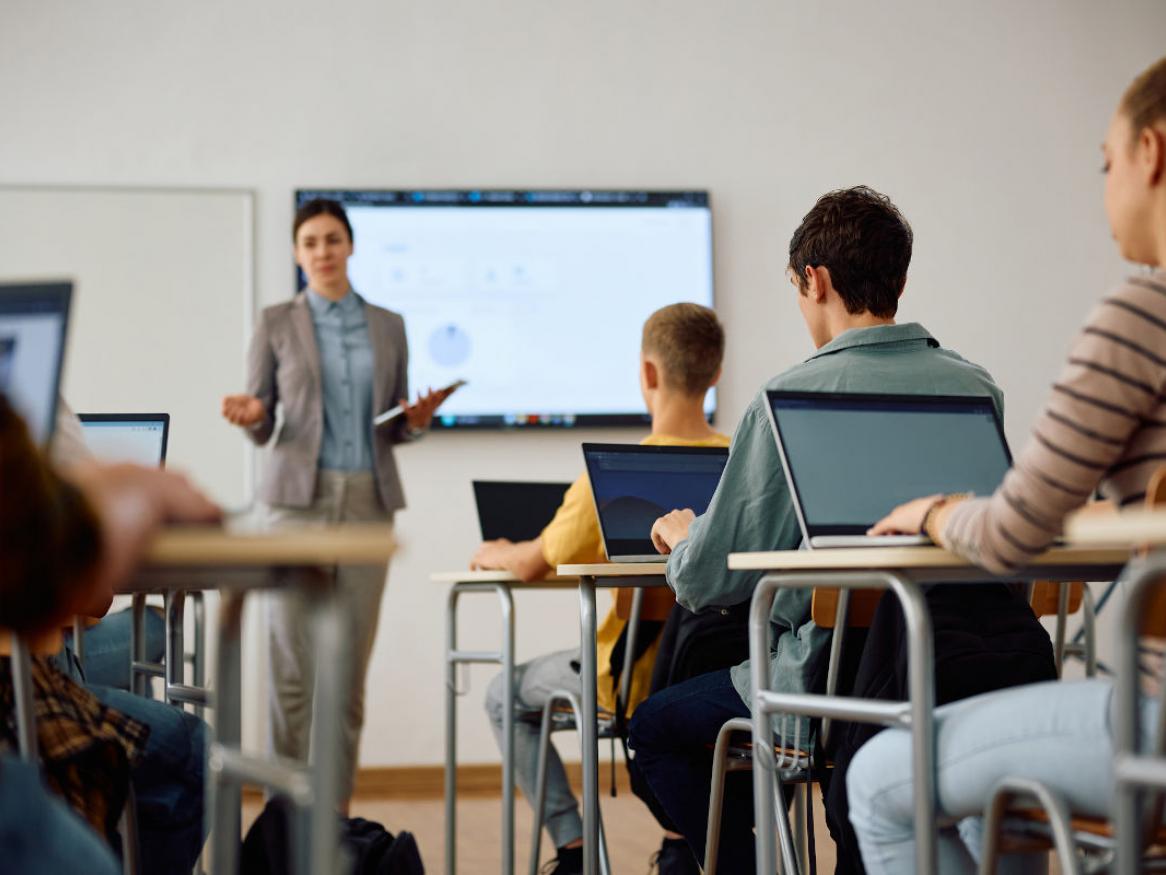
[927, 527]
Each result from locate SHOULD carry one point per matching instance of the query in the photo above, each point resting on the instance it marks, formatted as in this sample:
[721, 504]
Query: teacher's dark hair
[321, 207]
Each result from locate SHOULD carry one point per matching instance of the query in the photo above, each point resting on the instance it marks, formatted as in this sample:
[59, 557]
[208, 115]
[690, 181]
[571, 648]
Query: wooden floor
[633, 835]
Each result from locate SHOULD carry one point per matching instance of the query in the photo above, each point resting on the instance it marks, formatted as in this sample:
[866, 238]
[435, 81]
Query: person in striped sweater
[1104, 426]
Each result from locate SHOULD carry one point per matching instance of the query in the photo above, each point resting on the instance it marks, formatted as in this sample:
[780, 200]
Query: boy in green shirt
[848, 262]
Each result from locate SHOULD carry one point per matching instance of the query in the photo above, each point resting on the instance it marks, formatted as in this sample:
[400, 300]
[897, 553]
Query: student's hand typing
[492, 555]
[671, 529]
[906, 519]
[244, 410]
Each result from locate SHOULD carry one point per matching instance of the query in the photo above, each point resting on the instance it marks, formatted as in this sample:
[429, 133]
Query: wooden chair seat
[1093, 826]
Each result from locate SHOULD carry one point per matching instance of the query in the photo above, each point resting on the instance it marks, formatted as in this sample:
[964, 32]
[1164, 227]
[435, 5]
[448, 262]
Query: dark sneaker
[568, 862]
[675, 858]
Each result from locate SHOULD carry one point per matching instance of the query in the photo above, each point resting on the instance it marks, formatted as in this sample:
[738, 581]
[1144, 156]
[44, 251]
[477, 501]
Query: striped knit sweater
[1104, 425]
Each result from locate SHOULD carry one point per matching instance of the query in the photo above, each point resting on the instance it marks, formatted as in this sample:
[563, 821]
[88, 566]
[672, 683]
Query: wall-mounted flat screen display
[535, 298]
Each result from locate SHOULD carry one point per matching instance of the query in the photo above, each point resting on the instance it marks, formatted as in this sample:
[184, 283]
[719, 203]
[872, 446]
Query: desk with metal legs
[236, 564]
[903, 571]
[591, 577]
[502, 584]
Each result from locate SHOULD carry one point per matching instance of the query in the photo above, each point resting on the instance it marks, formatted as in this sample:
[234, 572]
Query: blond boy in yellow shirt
[680, 360]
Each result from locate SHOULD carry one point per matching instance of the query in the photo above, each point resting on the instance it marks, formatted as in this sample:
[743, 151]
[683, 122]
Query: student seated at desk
[1104, 425]
[848, 264]
[683, 345]
[64, 544]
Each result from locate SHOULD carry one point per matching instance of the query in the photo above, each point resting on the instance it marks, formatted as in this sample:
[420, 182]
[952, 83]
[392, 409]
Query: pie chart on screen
[449, 346]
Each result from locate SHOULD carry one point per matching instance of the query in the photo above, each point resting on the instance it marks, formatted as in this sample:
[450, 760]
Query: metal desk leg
[139, 682]
[921, 687]
[588, 731]
[332, 644]
[453, 658]
[21, 667]
[451, 732]
[173, 609]
[224, 801]
[507, 730]
[198, 663]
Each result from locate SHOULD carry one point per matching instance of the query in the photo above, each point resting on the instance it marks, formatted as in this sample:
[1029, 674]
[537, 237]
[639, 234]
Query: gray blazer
[283, 368]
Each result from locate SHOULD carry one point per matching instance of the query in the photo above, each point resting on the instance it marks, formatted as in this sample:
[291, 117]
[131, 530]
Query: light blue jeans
[107, 646]
[534, 682]
[1057, 733]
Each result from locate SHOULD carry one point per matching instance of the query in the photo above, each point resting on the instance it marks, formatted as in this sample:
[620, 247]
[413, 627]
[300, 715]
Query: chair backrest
[859, 613]
[1047, 593]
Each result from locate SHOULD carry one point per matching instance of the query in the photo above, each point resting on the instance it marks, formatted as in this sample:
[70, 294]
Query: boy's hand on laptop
[492, 555]
[671, 529]
[906, 519]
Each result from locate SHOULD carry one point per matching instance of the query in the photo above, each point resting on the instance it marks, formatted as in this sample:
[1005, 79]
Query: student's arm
[524, 559]
[1109, 388]
[749, 511]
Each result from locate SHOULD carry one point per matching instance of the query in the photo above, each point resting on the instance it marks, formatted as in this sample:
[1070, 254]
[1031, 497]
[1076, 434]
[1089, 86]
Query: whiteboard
[162, 307]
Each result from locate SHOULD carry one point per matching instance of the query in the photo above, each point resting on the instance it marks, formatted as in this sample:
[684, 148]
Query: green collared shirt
[751, 509]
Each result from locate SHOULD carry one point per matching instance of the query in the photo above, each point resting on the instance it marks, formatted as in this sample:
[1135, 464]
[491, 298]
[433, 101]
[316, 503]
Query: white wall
[981, 119]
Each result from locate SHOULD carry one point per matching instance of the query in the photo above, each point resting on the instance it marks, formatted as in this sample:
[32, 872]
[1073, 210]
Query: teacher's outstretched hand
[244, 410]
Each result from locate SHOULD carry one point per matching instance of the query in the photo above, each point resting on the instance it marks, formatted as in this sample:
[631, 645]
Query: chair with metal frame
[563, 711]
[1028, 812]
[830, 609]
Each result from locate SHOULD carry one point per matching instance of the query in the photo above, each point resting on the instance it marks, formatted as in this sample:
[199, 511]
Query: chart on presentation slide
[536, 299]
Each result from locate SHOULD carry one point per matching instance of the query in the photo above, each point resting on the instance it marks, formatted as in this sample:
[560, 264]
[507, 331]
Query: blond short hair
[689, 343]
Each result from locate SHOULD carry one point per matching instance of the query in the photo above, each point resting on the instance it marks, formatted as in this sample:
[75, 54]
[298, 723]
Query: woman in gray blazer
[331, 362]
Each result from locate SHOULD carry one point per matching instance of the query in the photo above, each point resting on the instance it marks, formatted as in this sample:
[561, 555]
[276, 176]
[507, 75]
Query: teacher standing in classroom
[332, 362]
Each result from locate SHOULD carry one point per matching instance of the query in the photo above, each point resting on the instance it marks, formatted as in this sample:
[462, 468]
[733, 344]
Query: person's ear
[1152, 154]
[902, 288]
[817, 283]
[651, 374]
[716, 377]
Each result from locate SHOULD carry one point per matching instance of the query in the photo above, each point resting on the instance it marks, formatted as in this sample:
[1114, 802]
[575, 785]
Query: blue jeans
[168, 781]
[107, 647]
[672, 734]
[1057, 733]
[40, 834]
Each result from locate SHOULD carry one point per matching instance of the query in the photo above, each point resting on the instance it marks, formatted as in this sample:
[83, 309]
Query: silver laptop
[849, 459]
[34, 320]
[635, 485]
[140, 438]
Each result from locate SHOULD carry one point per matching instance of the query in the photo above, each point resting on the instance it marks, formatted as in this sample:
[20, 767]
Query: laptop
[516, 510]
[34, 321]
[140, 438]
[635, 485]
[849, 459]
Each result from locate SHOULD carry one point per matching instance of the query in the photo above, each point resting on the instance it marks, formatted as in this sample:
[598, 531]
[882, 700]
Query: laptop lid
[516, 510]
[849, 459]
[635, 485]
[140, 438]
[34, 320]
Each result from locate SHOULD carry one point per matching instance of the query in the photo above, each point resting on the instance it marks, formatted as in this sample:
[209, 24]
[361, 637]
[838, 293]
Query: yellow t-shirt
[573, 538]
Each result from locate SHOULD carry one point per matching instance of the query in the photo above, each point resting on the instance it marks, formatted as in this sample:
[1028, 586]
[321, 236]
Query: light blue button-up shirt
[346, 365]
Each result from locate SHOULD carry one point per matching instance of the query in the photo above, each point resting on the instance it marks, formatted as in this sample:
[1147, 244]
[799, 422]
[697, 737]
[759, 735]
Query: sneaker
[675, 858]
[568, 862]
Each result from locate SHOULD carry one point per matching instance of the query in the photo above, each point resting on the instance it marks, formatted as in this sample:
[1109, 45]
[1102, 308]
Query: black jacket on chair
[986, 638]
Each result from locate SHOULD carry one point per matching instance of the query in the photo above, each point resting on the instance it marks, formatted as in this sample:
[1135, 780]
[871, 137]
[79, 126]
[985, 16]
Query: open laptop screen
[516, 510]
[33, 322]
[635, 485]
[127, 437]
[851, 458]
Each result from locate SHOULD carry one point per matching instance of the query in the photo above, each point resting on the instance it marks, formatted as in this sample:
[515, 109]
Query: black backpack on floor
[372, 849]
